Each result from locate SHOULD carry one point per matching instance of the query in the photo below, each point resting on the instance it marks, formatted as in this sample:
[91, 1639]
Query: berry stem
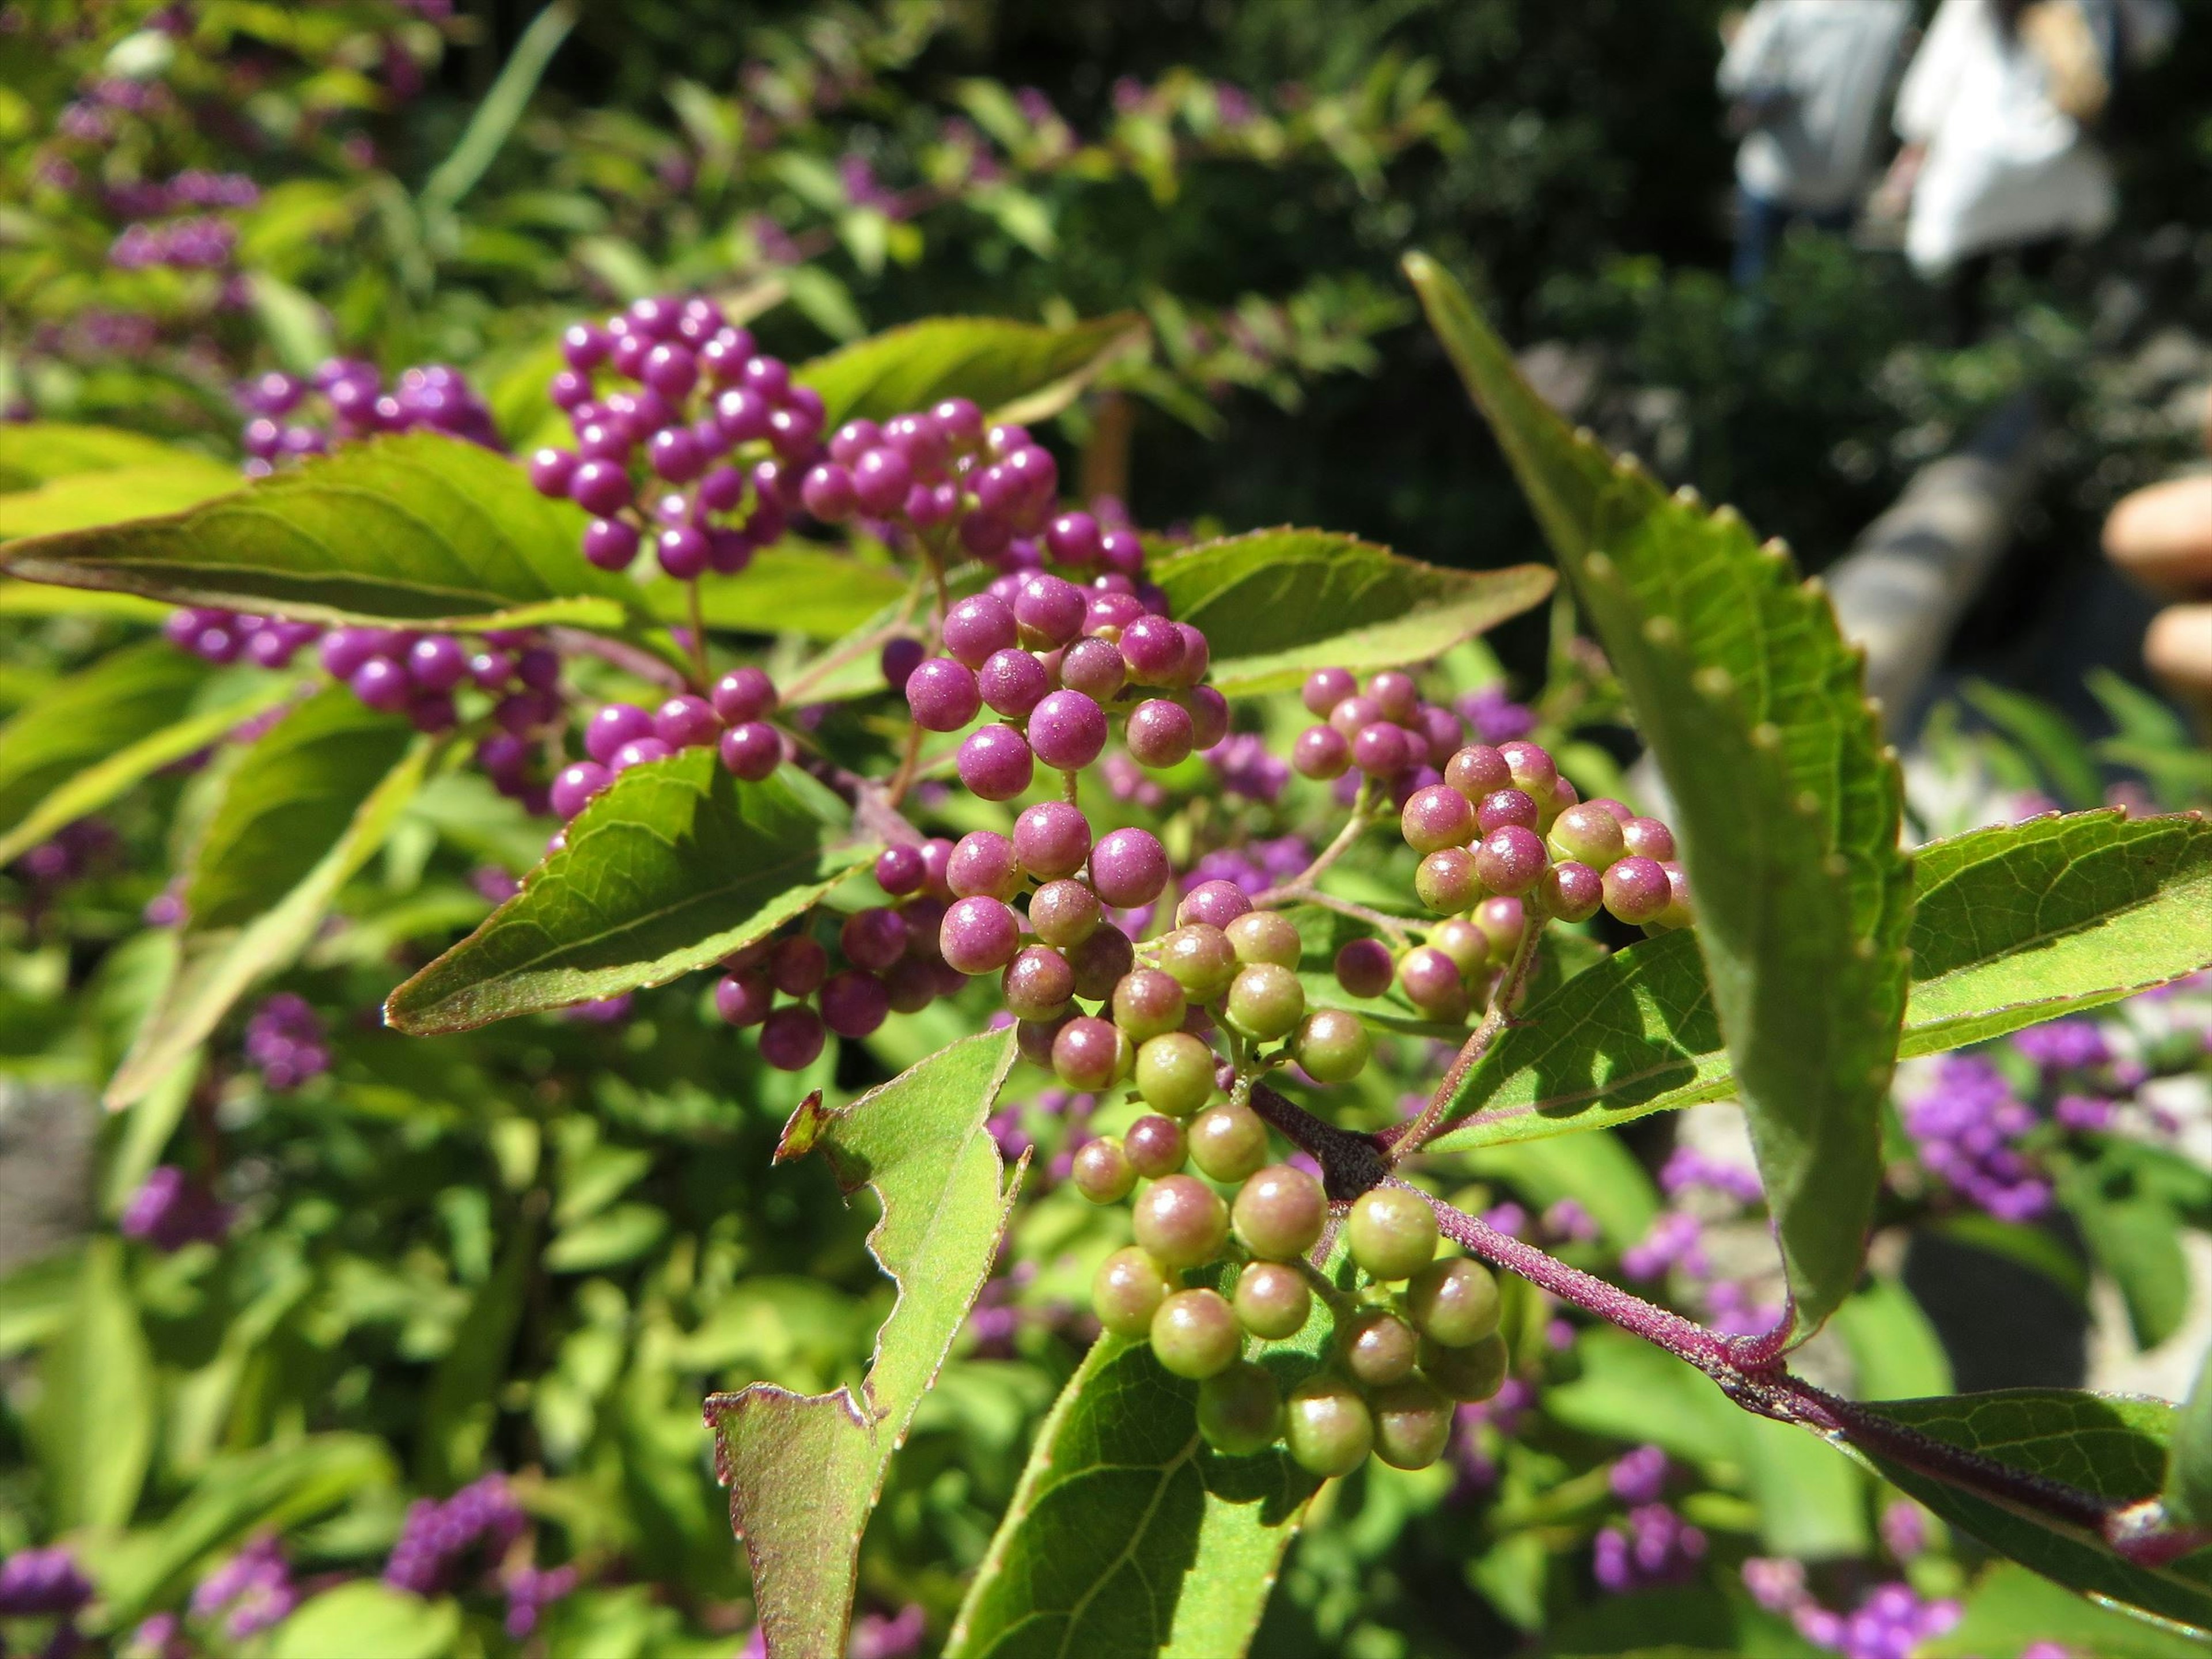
[1301, 886]
[909, 760]
[793, 690]
[1511, 984]
[702, 675]
[1393, 927]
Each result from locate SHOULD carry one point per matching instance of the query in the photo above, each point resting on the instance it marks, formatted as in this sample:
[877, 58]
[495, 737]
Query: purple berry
[944, 695]
[1049, 610]
[1571, 891]
[1051, 840]
[1074, 539]
[1512, 859]
[1013, 683]
[1128, 868]
[1215, 903]
[1158, 733]
[799, 965]
[611, 544]
[855, 1003]
[751, 751]
[576, 785]
[1324, 688]
[1379, 750]
[640, 751]
[612, 726]
[1209, 718]
[979, 935]
[1636, 889]
[899, 657]
[1067, 730]
[827, 493]
[791, 1039]
[983, 865]
[899, 870]
[744, 999]
[743, 695]
[686, 722]
[977, 629]
[1321, 752]
[600, 488]
[995, 762]
[874, 938]
[1095, 668]
[382, 684]
[1154, 649]
[1503, 807]
[881, 479]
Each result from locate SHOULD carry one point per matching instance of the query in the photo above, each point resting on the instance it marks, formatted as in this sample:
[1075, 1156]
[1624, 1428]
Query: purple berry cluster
[732, 719]
[226, 636]
[1652, 1546]
[199, 242]
[250, 1593]
[284, 1042]
[1890, 1622]
[685, 431]
[1968, 1127]
[345, 400]
[170, 1210]
[43, 1583]
[482, 1520]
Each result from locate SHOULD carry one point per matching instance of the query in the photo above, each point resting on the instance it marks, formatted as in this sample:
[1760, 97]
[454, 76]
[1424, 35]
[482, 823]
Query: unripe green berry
[1391, 1229]
[1265, 936]
[1240, 1410]
[1587, 835]
[1195, 1335]
[1175, 1074]
[1266, 1001]
[1181, 1221]
[1413, 1421]
[1467, 945]
[1155, 1147]
[1327, 1427]
[1331, 1045]
[1279, 1212]
[1454, 1301]
[1228, 1142]
[1436, 818]
[1147, 1003]
[1432, 983]
[1447, 882]
[1127, 1291]
[1378, 1347]
[1200, 959]
[1503, 921]
[1272, 1300]
[1474, 1372]
[1103, 1172]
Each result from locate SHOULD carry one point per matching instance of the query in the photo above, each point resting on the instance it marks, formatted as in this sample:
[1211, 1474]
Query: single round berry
[1160, 733]
[1503, 807]
[874, 938]
[1391, 1230]
[1413, 1421]
[1636, 889]
[979, 935]
[1478, 770]
[1038, 984]
[1200, 959]
[899, 657]
[1050, 611]
[1067, 730]
[1153, 647]
[1467, 945]
[1128, 868]
[1587, 835]
[1085, 1056]
[1094, 668]
[742, 695]
[1279, 1212]
[1228, 1142]
[1101, 962]
[1510, 859]
[1033, 1039]
[1503, 921]
[1437, 818]
[1213, 904]
[751, 751]
[1378, 1346]
[1474, 1372]
[854, 1003]
[1532, 767]
[1195, 1333]
[1332, 1045]
[1454, 1301]
[1271, 1300]
[1446, 881]
[1051, 840]
[575, 786]
[1265, 1001]
[1181, 1221]
[1678, 913]
[1156, 1146]
[978, 628]
[1013, 683]
[1379, 750]
[799, 965]
[1147, 1003]
[1103, 1172]
[1128, 1289]
[1327, 1426]
[1322, 753]
[792, 1038]
[995, 762]
[1063, 913]
[1324, 688]
[1240, 1411]
[899, 869]
[645, 751]
[1175, 1074]
[1649, 838]
[1209, 716]
[983, 865]
[826, 492]
[1573, 892]
[744, 999]
[1265, 936]
[1432, 982]
[1364, 968]
[943, 695]
[1354, 714]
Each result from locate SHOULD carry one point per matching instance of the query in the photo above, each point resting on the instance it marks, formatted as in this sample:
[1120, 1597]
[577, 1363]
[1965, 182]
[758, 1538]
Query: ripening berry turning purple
[944, 695]
[1532, 767]
[1160, 733]
[1572, 891]
[1128, 867]
[1503, 807]
[1436, 818]
[995, 761]
[1067, 730]
[1637, 888]
[751, 751]
[1512, 859]
[1648, 837]
[1214, 904]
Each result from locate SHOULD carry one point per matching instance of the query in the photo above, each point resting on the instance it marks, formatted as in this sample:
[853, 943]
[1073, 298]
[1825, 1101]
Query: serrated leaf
[217, 966]
[85, 500]
[416, 529]
[365, 1617]
[2011, 1610]
[1129, 1536]
[2096, 1449]
[674, 866]
[1015, 371]
[120, 701]
[804, 1470]
[790, 589]
[1275, 604]
[92, 1425]
[2012, 925]
[288, 797]
[1787, 805]
[33, 453]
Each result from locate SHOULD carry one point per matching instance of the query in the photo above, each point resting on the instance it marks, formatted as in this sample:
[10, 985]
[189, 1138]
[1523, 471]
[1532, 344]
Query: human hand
[2162, 535]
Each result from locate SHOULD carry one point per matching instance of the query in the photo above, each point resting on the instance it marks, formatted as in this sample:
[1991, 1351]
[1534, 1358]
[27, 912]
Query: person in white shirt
[1996, 112]
[1805, 79]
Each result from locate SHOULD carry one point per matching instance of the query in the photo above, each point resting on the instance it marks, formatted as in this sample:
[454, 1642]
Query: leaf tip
[804, 1129]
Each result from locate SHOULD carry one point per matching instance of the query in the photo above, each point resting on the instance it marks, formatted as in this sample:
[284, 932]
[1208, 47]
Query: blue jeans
[1759, 223]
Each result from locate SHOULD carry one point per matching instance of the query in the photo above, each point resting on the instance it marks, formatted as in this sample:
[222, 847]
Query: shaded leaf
[1676, 1624]
[365, 1617]
[792, 587]
[674, 866]
[1275, 604]
[2011, 1609]
[86, 500]
[1016, 371]
[2188, 1488]
[93, 1425]
[2095, 1451]
[121, 700]
[33, 453]
[463, 1403]
[2012, 925]
[2134, 1237]
[804, 1470]
[417, 528]
[1788, 805]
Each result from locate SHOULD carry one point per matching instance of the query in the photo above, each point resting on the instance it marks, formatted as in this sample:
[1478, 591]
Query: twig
[1502, 996]
[1276, 897]
[698, 633]
[1301, 882]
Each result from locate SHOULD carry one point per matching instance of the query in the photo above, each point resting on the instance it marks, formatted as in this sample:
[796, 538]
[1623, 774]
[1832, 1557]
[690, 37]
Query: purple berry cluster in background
[171, 1210]
[250, 1593]
[346, 400]
[284, 1042]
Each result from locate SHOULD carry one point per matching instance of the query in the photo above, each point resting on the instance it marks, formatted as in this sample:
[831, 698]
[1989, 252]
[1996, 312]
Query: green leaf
[33, 453]
[121, 700]
[2189, 1463]
[1895, 1351]
[1275, 604]
[416, 529]
[1689, 1623]
[1787, 804]
[2011, 1609]
[2048, 737]
[1016, 371]
[463, 1403]
[1596, 1170]
[606, 1240]
[792, 587]
[2012, 925]
[93, 1424]
[2099, 1449]
[367, 1617]
[677, 865]
[1130, 1536]
[288, 797]
[217, 965]
[88, 500]
[804, 1470]
[2134, 1237]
